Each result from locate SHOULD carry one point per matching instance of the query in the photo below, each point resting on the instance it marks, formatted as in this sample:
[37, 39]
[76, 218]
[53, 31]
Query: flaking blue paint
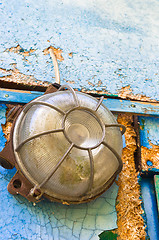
[149, 163]
[149, 131]
[115, 42]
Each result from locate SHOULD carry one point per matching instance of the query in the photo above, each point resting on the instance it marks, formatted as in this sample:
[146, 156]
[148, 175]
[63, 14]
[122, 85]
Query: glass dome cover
[68, 145]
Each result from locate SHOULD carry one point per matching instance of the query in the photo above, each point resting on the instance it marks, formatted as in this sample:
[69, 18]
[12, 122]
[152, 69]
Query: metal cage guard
[37, 188]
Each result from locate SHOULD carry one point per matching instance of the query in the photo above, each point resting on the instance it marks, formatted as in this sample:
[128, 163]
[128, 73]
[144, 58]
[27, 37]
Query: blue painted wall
[114, 43]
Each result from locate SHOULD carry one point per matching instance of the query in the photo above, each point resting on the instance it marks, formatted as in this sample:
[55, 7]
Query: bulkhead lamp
[66, 146]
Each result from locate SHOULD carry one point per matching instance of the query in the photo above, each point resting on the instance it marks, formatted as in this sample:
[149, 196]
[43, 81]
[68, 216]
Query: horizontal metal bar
[115, 105]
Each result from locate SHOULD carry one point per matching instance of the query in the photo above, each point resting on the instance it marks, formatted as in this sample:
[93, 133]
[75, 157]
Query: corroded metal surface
[129, 205]
[104, 47]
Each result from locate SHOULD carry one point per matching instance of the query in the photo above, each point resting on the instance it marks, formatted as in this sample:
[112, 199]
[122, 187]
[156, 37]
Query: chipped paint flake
[18, 49]
[149, 141]
[150, 158]
[15, 76]
[127, 93]
[57, 52]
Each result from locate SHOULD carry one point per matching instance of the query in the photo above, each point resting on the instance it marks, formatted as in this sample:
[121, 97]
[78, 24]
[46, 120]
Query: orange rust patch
[17, 77]
[18, 49]
[57, 52]
[70, 54]
[126, 93]
[6, 130]
[130, 222]
[99, 83]
[152, 155]
[100, 92]
[70, 82]
[91, 84]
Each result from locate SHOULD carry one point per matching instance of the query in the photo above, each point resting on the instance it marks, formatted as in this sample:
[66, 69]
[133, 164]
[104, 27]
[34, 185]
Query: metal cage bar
[42, 103]
[117, 125]
[54, 169]
[72, 91]
[38, 135]
[99, 103]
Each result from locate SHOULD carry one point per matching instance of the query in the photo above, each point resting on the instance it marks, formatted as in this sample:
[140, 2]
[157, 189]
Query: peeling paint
[115, 46]
[149, 131]
[150, 155]
[149, 141]
[15, 76]
[18, 49]
[127, 93]
[57, 52]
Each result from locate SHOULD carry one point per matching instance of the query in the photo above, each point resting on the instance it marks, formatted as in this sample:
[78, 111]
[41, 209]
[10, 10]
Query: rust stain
[17, 77]
[151, 155]
[18, 49]
[6, 130]
[126, 93]
[100, 92]
[99, 83]
[57, 52]
[130, 222]
[70, 54]
[70, 82]
[91, 84]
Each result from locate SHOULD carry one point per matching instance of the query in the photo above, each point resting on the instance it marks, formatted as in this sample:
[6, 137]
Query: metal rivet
[132, 105]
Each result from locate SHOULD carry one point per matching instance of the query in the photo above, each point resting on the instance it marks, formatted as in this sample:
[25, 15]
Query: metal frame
[37, 188]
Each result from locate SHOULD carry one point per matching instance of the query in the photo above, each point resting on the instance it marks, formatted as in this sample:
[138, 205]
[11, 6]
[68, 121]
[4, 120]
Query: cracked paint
[116, 46]
[21, 219]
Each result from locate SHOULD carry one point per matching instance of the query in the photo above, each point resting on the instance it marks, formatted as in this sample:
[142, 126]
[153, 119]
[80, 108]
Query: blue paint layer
[114, 43]
[150, 206]
[2, 121]
[149, 163]
[20, 219]
[115, 105]
[149, 131]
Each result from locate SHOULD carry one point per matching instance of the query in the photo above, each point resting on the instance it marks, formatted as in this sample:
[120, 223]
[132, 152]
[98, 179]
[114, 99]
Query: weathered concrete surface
[106, 46]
